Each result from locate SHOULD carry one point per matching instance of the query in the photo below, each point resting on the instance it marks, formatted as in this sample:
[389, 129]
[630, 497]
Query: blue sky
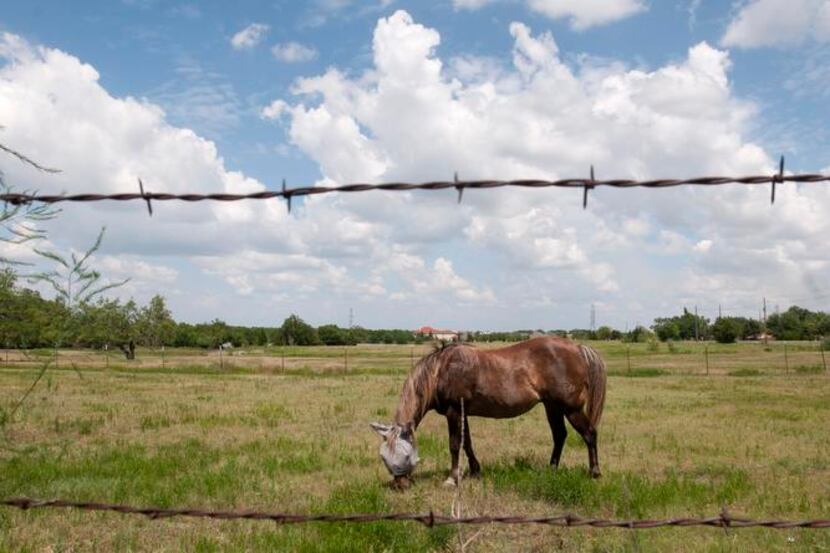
[208, 96]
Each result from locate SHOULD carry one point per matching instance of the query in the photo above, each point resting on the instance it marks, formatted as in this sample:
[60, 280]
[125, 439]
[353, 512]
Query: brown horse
[567, 378]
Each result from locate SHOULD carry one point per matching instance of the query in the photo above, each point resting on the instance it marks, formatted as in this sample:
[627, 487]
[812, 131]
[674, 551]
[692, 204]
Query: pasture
[752, 436]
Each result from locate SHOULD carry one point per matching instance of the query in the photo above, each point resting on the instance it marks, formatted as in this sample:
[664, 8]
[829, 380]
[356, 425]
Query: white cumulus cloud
[250, 36]
[583, 14]
[293, 52]
[503, 258]
[779, 23]
[470, 4]
[411, 117]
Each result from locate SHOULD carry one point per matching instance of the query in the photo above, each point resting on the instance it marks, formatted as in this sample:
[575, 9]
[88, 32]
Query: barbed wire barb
[144, 195]
[586, 188]
[777, 178]
[287, 196]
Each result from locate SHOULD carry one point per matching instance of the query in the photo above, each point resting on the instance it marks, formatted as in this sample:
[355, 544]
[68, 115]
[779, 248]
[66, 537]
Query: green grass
[673, 442]
[809, 369]
[745, 372]
[622, 494]
[639, 372]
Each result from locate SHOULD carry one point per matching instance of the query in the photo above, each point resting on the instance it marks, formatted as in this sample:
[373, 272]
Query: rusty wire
[430, 519]
[459, 185]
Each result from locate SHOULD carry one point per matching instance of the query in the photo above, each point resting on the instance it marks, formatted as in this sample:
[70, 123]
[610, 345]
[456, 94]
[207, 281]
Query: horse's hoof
[596, 473]
[450, 482]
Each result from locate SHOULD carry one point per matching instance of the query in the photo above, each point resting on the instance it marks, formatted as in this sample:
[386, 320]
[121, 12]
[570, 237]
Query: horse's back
[556, 367]
[508, 381]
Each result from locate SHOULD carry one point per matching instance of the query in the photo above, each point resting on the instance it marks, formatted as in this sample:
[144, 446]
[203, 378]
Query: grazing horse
[460, 380]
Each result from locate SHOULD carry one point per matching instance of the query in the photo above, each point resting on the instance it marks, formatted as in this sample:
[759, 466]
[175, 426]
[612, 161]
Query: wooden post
[107, 354]
[706, 350]
[162, 357]
[628, 357]
[786, 361]
[221, 359]
[823, 360]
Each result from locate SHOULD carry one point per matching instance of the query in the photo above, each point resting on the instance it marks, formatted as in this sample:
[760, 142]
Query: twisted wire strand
[430, 519]
[288, 193]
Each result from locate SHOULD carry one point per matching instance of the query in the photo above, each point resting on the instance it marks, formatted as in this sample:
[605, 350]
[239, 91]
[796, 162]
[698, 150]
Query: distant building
[438, 334]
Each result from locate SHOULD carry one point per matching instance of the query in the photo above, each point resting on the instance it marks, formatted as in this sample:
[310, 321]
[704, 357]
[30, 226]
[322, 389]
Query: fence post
[221, 359]
[346, 358]
[823, 359]
[706, 351]
[628, 357]
[282, 357]
[107, 354]
[786, 361]
[162, 357]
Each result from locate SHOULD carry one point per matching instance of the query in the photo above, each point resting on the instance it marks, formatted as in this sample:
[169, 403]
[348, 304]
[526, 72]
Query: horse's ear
[382, 429]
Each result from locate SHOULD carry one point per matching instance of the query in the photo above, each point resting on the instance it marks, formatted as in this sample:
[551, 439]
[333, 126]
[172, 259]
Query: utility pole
[720, 315]
[593, 317]
[764, 322]
[697, 331]
[351, 318]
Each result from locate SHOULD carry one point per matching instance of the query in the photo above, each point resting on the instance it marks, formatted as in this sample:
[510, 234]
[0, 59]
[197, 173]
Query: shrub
[726, 330]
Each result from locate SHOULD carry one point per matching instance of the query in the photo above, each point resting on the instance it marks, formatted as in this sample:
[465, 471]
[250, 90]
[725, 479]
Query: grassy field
[752, 436]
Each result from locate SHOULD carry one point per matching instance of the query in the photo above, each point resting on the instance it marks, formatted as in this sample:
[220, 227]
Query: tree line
[796, 323]
[28, 320]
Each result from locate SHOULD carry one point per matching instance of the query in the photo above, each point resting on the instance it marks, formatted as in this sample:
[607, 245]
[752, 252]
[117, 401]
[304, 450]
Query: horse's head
[397, 450]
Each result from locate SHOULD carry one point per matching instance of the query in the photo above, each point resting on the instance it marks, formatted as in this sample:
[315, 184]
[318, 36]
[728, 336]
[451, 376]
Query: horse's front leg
[454, 429]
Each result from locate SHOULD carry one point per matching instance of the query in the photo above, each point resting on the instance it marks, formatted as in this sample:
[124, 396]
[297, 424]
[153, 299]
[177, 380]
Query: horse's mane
[419, 388]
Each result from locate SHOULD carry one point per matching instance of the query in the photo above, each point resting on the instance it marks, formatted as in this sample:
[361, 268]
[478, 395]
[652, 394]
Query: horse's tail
[596, 383]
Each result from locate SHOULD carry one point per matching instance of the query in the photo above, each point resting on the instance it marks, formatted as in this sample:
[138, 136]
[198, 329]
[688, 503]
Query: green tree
[751, 328]
[666, 329]
[156, 324]
[333, 335]
[798, 323]
[297, 332]
[726, 329]
[638, 334]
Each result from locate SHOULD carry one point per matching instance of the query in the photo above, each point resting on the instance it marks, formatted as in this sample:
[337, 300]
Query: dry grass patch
[670, 445]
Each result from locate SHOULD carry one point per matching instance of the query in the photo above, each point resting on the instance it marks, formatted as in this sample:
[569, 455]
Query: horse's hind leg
[581, 424]
[556, 420]
[454, 428]
[475, 467]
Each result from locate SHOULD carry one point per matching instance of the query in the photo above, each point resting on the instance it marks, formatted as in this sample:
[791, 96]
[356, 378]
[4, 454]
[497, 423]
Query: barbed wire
[459, 185]
[429, 519]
